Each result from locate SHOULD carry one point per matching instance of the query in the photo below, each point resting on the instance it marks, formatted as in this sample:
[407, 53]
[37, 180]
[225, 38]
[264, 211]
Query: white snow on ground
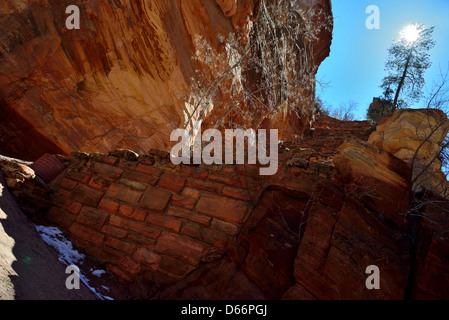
[68, 255]
[54, 237]
[97, 273]
[106, 288]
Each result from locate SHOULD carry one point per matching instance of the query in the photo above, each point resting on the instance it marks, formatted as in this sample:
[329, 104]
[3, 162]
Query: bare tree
[269, 71]
[429, 166]
[437, 99]
[346, 111]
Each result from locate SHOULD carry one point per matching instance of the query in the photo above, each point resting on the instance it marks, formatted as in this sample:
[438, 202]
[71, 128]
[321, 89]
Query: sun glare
[410, 33]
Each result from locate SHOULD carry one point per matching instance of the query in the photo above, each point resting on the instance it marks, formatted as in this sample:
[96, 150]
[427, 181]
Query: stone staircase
[328, 134]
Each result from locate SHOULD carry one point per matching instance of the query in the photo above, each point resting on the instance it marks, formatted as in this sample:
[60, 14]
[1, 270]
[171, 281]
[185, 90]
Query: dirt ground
[29, 268]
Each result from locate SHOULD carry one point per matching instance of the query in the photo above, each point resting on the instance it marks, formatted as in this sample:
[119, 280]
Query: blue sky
[355, 67]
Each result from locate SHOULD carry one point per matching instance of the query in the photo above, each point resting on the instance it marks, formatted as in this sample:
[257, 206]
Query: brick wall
[139, 214]
[136, 213]
[214, 232]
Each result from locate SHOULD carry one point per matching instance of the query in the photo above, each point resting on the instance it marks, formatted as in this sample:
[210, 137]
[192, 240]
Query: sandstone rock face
[229, 7]
[432, 254]
[375, 177]
[415, 136]
[224, 232]
[117, 82]
[339, 243]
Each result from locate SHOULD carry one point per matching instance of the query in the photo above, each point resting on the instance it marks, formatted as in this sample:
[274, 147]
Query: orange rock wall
[216, 232]
[183, 232]
[118, 82]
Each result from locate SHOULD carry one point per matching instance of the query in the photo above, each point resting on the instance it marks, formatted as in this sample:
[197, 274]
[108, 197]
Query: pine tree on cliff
[407, 62]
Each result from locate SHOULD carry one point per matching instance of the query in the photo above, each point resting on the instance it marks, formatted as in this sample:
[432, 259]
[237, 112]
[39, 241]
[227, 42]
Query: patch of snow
[55, 238]
[106, 288]
[68, 255]
[98, 272]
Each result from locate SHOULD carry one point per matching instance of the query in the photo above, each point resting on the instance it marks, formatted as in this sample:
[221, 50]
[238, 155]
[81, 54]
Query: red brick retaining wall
[143, 213]
[135, 213]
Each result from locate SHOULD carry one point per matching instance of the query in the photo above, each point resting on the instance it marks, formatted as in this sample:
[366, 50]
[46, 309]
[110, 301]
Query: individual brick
[194, 172]
[225, 179]
[79, 176]
[120, 245]
[124, 193]
[147, 159]
[65, 193]
[141, 177]
[174, 267]
[226, 227]
[60, 217]
[180, 247]
[127, 164]
[165, 222]
[144, 241]
[107, 171]
[87, 234]
[139, 214]
[126, 210]
[237, 193]
[160, 153]
[205, 185]
[86, 195]
[92, 217]
[222, 208]
[171, 182]
[126, 263]
[148, 258]
[134, 226]
[115, 232]
[192, 193]
[153, 171]
[101, 157]
[110, 205]
[155, 199]
[133, 184]
[166, 165]
[74, 207]
[68, 184]
[61, 201]
[99, 183]
[184, 202]
[189, 215]
[120, 274]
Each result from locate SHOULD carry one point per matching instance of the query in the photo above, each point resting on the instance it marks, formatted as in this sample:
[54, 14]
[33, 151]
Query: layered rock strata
[223, 232]
[121, 81]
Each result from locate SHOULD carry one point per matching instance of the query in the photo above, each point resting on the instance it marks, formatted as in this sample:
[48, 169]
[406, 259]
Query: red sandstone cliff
[119, 81]
[337, 205]
[340, 201]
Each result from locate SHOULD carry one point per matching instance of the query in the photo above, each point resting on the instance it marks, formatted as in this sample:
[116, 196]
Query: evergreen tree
[407, 62]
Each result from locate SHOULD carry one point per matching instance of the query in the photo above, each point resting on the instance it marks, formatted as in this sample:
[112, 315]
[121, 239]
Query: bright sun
[410, 33]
